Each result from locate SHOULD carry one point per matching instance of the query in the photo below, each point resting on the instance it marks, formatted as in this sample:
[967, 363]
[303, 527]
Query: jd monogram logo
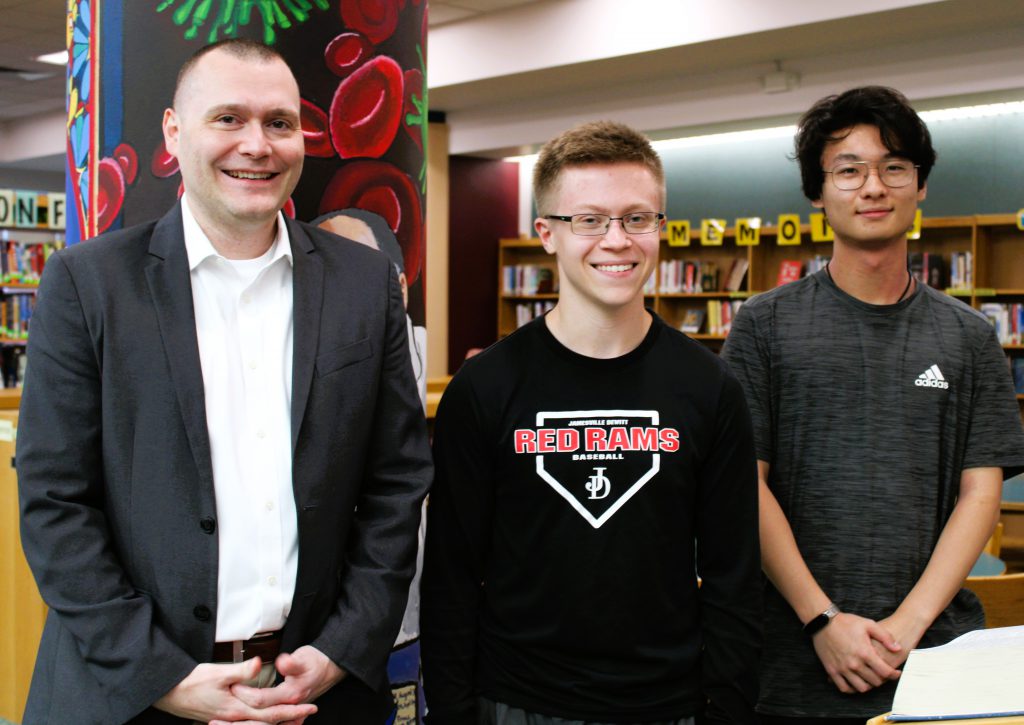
[599, 486]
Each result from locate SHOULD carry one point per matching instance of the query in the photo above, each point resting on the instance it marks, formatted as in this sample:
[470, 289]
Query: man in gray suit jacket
[221, 453]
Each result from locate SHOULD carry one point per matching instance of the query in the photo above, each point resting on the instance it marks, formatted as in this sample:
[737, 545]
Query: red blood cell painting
[163, 164]
[110, 196]
[376, 19]
[347, 52]
[125, 155]
[315, 131]
[367, 109]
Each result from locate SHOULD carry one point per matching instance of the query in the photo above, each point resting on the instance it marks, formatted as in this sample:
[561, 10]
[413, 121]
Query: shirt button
[246, 299]
[202, 613]
[270, 505]
[252, 364]
[272, 581]
[208, 525]
[261, 433]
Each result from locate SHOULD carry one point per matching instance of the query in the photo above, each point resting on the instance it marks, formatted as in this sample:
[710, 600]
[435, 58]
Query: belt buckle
[237, 651]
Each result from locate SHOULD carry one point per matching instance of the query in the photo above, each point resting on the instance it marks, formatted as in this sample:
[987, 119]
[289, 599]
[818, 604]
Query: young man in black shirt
[589, 467]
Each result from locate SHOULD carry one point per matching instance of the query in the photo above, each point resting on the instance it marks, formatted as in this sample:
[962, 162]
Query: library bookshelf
[989, 247]
[23, 253]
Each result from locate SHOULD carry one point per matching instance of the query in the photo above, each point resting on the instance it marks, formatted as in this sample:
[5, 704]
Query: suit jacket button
[208, 525]
[202, 613]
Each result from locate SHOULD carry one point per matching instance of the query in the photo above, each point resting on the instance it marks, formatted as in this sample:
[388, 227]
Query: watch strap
[821, 621]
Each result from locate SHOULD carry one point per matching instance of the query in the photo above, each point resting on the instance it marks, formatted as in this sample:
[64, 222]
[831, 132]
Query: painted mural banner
[361, 67]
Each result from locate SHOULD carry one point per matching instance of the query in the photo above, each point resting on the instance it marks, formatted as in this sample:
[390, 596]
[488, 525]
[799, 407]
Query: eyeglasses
[852, 175]
[593, 225]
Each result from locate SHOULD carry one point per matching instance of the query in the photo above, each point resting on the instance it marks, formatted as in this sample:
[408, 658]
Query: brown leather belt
[266, 646]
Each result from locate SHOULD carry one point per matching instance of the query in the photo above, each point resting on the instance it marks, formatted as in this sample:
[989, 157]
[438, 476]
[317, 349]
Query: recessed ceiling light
[58, 58]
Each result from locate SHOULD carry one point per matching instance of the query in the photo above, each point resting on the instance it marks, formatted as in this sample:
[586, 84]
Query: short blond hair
[595, 142]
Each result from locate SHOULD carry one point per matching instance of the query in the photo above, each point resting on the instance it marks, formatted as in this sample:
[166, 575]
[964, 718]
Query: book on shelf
[789, 271]
[693, 320]
[1007, 319]
[665, 281]
[23, 262]
[709, 277]
[687, 276]
[528, 279]
[978, 674]
[928, 268]
[651, 285]
[961, 271]
[721, 314]
[545, 281]
[528, 311]
[737, 273]
[15, 312]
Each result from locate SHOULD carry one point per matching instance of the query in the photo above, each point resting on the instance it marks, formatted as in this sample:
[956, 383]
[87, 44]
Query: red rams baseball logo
[597, 460]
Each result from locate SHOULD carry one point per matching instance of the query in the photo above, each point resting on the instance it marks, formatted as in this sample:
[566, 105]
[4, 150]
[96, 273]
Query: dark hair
[830, 119]
[243, 48]
[596, 142]
[386, 240]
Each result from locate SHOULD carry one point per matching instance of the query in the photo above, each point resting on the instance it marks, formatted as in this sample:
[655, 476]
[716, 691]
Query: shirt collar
[199, 247]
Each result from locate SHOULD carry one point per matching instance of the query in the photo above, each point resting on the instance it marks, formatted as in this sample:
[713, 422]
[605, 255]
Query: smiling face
[606, 272]
[874, 215]
[235, 132]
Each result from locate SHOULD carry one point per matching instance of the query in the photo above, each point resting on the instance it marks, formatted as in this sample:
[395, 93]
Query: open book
[980, 674]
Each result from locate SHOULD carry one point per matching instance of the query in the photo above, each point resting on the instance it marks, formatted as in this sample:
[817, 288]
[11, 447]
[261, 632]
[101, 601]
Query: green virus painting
[227, 16]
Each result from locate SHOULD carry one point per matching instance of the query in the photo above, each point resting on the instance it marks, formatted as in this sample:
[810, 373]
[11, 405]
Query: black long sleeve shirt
[575, 502]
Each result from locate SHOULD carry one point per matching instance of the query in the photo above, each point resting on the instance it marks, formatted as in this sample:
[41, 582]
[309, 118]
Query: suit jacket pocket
[334, 360]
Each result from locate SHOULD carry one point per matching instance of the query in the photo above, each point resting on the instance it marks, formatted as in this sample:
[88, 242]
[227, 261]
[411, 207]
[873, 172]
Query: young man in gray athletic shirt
[884, 422]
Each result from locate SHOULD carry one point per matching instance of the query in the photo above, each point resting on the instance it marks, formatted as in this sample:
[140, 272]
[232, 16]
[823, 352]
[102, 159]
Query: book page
[979, 673]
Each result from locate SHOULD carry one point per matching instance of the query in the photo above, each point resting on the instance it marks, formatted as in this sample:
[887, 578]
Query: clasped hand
[858, 653]
[216, 693]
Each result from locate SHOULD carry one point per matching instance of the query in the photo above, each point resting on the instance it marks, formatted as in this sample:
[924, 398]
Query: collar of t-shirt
[244, 330]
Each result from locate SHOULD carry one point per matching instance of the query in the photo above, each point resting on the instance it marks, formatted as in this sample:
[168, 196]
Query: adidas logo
[931, 378]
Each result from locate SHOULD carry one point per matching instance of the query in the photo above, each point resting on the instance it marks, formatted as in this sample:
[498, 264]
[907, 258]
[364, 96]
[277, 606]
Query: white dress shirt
[243, 312]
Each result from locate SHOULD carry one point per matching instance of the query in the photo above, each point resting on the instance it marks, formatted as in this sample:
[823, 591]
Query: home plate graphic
[597, 459]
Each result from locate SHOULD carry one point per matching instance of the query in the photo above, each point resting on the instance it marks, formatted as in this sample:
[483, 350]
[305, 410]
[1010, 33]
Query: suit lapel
[307, 296]
[171, 288]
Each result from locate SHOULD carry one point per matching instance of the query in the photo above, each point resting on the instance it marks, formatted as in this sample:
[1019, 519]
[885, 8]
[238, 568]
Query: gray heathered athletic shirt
[867, 415]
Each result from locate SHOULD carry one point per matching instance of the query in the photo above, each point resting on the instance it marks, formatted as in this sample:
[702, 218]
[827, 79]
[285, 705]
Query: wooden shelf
[701, 295]
[10, 398]
[950, 222]
[530, 242]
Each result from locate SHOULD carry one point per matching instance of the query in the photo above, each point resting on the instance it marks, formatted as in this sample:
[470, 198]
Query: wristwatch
[821, 621]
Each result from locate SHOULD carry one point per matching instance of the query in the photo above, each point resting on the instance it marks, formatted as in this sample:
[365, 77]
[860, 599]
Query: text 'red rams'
[618, 438]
